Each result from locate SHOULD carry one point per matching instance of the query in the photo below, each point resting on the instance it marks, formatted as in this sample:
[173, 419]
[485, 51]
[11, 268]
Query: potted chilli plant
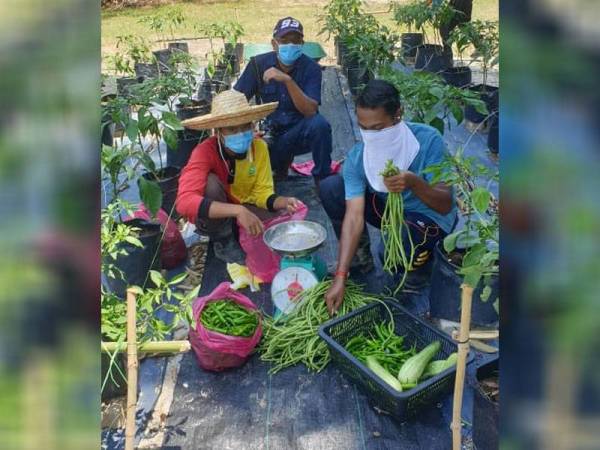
[139, 55]
[459, 76]
[472, 252]
[340, 20]
[164, 24]
[483, 37]
[413, 16]
[431, 56]
[427, 99]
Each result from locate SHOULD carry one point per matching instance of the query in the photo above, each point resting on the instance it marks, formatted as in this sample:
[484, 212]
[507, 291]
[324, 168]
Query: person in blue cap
[289, 77]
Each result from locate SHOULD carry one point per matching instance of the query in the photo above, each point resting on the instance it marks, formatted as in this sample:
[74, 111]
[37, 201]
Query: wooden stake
[463, 350]
[132, 371]
[149, 347]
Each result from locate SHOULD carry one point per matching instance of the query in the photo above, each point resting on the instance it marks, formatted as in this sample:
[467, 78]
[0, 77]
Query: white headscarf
[397, 143]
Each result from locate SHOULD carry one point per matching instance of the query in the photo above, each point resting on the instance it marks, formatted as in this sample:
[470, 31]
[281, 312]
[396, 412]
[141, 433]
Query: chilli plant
[478, 240]
[413, 15]
[165, 23]
[427, 99]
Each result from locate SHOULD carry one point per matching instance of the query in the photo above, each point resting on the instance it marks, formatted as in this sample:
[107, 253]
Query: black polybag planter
[357, 75]
[432, 58]
[139, 260]
[124, 85]
[458, 76]
[187, 139]
[179, 46]
[232, 55]
[493, 134]
[146, 70]
[445, 293]
[163, 57]
[341, 51]
[489, 97]
[167, 179]
[410, 42]
[486, 413]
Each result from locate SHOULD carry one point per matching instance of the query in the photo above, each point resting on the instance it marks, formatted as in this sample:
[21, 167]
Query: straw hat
[228, 109]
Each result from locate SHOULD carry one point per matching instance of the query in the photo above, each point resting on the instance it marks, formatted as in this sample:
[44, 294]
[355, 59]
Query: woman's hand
[290, 204]
[251, 223]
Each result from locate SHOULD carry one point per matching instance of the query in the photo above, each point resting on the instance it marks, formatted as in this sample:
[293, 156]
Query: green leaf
[457, 113]
[450, 241]
[171, 120]
[178, 278]
[438, 124]
[485, 293]
[132, 130]
[134, 241]
[150, 194]
[437, 91]
[136, 289]
[480, 107]
[481, 199]
[156, 278]
[170, 138]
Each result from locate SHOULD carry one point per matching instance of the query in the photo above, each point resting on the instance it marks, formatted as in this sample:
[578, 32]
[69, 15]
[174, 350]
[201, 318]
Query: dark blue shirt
[307, 75]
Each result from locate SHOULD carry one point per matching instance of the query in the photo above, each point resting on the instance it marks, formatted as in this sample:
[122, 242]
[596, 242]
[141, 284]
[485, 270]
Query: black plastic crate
[402, 405]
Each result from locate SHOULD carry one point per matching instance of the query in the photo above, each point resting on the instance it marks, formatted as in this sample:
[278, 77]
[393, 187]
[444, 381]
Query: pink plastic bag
[260, 259]
[216, 351]
[306, 167]
[172, 250]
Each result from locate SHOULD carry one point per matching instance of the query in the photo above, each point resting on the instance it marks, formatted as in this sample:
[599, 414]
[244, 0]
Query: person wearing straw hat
[228, 176]
[293, 79]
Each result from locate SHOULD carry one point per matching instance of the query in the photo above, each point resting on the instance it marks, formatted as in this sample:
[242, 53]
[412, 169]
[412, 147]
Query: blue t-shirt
[307, 75]
[432, 151]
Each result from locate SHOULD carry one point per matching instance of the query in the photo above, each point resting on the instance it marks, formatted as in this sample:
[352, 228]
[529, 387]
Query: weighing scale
[300, 267]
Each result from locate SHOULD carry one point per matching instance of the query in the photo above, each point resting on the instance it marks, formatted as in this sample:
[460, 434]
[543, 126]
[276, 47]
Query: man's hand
[251, 223]
[335, 295]
[275, 74]
[290, 204]
[401, 182]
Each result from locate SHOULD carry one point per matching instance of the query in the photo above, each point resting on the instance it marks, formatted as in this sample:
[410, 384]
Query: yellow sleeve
[263, 187]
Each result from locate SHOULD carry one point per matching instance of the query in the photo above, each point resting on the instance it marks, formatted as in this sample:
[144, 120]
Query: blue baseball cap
[287, 25]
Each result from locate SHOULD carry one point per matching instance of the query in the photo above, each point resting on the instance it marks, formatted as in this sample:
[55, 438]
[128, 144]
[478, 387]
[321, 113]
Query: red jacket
[254, 189]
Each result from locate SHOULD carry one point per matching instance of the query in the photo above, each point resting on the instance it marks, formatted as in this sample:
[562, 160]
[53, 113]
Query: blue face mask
[239, 142]
[289, 53]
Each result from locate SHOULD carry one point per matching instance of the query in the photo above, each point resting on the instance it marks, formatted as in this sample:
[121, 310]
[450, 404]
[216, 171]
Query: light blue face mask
[289, 53]
[239, 143]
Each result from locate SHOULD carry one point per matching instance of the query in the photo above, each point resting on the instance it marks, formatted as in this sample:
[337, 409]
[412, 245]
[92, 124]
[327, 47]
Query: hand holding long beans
[393, 224]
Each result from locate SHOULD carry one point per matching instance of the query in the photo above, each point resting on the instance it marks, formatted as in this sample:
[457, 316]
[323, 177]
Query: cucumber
[413, 368]
[374, 365]
[438, 366]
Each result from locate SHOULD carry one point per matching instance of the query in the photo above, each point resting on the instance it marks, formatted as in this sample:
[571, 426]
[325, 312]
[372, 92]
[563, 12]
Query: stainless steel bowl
[295, 238]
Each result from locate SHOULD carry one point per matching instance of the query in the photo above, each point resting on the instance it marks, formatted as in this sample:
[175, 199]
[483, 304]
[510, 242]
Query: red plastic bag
[172, 250]
[217, 351]
[260, 259]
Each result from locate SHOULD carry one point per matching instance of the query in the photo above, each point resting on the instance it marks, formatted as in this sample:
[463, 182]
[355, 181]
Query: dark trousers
[218, 229]
[424, 232]
[311, 134]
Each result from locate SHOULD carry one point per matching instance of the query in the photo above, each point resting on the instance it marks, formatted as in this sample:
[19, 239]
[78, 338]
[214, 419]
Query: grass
[257, 18]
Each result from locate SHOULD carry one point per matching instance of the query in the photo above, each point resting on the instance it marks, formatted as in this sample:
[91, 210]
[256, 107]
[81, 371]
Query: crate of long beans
[402, 363]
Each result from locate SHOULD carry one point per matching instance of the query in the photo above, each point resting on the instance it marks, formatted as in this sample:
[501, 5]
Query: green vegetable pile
[227, 317]
[296, 340]
[392, 224]
[385, 354]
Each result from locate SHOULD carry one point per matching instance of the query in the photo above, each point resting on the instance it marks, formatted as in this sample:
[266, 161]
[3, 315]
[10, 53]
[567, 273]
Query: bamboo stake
[149, 347]
[463, 350]
[132, 371]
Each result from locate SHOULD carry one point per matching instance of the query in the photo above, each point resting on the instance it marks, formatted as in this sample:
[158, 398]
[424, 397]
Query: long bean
[392, 227]
[296, 340]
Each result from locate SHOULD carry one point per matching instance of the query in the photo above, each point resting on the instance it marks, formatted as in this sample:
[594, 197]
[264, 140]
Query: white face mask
[397, 143]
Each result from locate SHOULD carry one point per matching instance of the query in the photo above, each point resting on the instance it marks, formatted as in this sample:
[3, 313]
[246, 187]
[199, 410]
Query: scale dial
[287, 284]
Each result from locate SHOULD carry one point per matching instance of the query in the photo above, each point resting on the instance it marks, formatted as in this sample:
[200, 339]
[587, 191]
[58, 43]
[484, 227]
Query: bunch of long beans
[294, 339]
[383, 344]
[227, 317]
[392, 225]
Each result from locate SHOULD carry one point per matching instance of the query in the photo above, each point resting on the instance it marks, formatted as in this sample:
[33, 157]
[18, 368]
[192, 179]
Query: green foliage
[483, 36]
[165, 22]
[342, 18]
[426, 98]
[479, 239]
[228, 32]
[413, 15]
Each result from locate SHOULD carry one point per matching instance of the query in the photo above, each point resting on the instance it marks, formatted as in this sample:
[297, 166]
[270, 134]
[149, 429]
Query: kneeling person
[360, 194]
[229, 176]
